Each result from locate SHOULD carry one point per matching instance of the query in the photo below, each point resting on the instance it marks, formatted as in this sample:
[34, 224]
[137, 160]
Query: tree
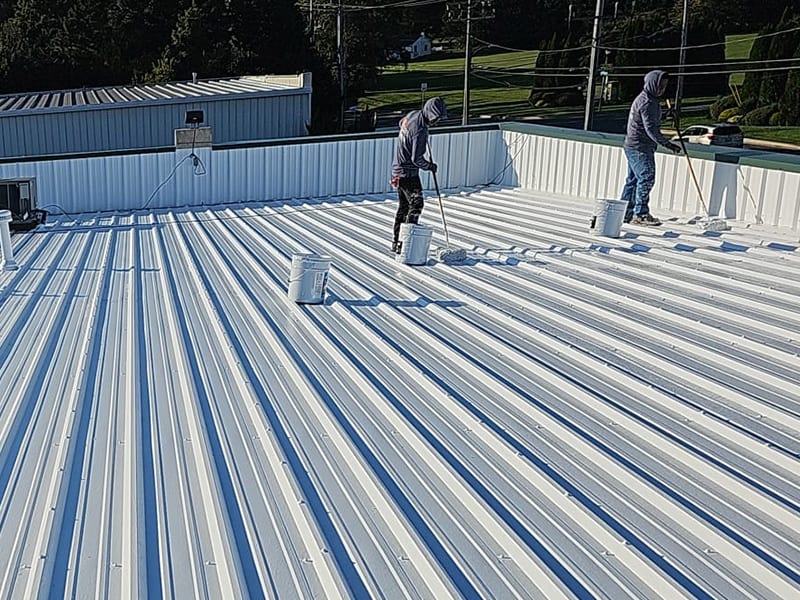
[139, 31]
[53, 43]
[781, 46]
[790, 101]
[751, 88]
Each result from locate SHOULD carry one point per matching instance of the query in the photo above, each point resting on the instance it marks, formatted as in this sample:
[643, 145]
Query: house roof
[104, 97]
[562, 415]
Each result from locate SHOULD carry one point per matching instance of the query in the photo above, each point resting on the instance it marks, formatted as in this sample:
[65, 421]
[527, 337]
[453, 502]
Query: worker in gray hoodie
[642, 137]
[409, 159]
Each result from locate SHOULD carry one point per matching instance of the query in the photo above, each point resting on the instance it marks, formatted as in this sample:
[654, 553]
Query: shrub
[759, 116]
[723, 103]
[749, 104]
[776, 119]
[728, 113]
[571, 98]
[735, 119]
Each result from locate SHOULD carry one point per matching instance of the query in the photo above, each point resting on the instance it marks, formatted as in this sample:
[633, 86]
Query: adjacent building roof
[562, 416]
[151, 94]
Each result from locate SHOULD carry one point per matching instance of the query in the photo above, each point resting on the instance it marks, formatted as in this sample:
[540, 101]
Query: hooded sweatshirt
[644, 119]
[409, 156]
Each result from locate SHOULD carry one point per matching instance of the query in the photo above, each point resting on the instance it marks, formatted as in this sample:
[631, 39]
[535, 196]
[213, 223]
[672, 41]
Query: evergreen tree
[781, 46]
[790, 101]
[751, 88]
[139, 31]
[47, 44]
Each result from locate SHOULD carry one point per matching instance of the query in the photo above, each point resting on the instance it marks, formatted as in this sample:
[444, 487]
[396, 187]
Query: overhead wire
[629, 49]
[709, 45]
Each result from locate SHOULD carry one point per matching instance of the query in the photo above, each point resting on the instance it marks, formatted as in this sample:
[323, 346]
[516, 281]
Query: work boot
[647, 220]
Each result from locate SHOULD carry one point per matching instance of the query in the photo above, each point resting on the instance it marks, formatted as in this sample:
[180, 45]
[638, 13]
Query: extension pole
[439, 196]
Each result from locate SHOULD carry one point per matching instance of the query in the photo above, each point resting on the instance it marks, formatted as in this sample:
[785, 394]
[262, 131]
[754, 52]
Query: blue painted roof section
[561, 416]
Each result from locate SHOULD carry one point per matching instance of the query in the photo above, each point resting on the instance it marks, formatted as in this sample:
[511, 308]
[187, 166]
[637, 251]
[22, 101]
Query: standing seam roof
[561, 416]
[134, 93]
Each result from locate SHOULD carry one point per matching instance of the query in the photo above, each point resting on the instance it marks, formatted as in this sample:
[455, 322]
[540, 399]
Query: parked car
[713, 135]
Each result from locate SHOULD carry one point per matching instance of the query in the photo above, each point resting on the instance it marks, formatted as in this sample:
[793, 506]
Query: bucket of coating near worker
[416, 243]
[607, 217]
[308, 278]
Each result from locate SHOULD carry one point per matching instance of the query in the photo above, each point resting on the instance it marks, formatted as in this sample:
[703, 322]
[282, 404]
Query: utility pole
[311, 19]
[682, 59]
[588, 116]
[469, 11]
[340, 62]
[467, 65]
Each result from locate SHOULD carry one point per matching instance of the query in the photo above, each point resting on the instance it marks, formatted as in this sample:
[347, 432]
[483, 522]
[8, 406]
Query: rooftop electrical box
[19, 196]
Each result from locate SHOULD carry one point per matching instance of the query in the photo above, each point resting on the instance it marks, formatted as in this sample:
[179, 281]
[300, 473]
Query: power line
[726, 72]
[714, 64]
[510, 49]
[358, 7]
[503, 83]
[626, 49]
[725, 43]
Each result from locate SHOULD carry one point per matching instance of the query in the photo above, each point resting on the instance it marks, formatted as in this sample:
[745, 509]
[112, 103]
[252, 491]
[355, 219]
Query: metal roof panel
[562, 415]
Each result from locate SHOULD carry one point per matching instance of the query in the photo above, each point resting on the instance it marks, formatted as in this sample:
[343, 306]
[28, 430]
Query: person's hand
[434, 168]
[395, 181]
[674, 147]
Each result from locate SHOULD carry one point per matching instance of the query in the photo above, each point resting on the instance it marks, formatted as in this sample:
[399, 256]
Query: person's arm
[651, 119]
[418, 145]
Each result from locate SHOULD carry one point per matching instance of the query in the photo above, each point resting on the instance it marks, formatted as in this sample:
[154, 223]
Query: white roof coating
[562, 416]
[11, 104]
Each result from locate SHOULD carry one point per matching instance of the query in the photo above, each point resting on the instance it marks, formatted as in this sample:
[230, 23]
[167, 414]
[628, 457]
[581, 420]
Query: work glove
[434, 168]
[674, 147]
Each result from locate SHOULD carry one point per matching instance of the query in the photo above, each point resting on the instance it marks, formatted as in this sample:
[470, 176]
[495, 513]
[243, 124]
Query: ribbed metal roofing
[561, 416]
[101, 97]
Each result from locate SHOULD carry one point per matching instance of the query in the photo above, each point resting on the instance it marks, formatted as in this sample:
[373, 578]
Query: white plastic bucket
[416, 240]
[308, 278]
[607, 217]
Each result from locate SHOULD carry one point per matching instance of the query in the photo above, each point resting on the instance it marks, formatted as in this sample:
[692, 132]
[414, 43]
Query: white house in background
[422, 46]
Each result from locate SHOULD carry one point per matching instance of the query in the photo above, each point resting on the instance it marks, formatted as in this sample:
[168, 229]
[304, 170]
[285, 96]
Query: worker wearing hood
[642, 137]
[409, 159]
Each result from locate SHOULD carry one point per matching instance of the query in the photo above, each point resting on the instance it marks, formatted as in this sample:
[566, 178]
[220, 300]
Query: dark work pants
[411, 202]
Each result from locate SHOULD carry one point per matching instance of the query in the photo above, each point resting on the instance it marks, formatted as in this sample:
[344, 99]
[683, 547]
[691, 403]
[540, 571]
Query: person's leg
[629, 189]
[402, 212]
[416, 201]
[646, 175]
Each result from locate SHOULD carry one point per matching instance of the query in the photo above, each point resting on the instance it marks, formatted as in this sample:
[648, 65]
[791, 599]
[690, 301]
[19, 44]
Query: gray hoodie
[409, 156]
[644, 119]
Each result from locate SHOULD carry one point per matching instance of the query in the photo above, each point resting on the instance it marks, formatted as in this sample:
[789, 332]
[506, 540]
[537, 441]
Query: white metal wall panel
[586, 170]
[361, 165]
[130, 127]
[310, 169]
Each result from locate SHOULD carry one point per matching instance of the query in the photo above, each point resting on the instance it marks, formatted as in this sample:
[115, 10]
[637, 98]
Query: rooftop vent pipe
[9, 264]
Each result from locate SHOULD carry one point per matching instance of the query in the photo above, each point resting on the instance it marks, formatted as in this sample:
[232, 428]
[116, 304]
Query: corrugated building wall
[144, 117]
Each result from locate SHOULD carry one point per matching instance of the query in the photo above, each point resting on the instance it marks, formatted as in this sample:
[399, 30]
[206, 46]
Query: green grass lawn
[500, 84]
[737, 47]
